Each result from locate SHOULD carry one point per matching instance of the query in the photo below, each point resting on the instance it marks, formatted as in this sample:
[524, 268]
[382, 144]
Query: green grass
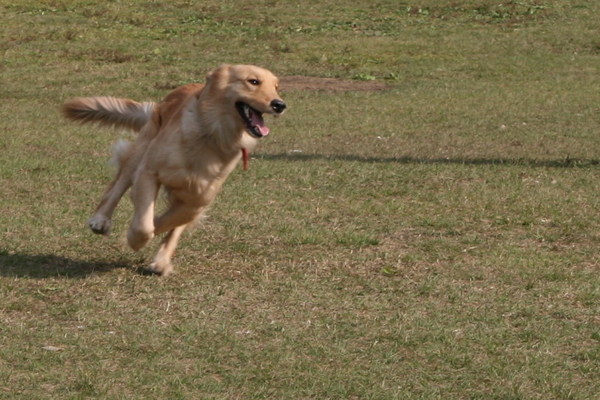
[435, 240]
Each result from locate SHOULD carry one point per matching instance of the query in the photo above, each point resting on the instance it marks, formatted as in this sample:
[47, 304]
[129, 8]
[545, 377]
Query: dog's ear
[217, 74]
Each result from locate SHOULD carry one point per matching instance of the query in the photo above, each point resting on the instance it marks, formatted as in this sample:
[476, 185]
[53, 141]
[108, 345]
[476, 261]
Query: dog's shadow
[40, 266]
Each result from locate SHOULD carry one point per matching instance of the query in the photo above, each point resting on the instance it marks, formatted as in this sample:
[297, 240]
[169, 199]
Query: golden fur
[189, 144]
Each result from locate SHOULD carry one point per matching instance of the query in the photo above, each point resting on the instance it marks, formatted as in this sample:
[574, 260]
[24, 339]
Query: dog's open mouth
[255, 124]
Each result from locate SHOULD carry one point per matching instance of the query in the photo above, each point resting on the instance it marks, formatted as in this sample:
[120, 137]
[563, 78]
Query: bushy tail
[109, 111]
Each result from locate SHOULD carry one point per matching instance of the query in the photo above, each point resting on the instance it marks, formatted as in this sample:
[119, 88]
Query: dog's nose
[278, 106]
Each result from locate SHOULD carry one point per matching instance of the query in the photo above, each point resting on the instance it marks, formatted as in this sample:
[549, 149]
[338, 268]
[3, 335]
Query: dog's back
[170, 106]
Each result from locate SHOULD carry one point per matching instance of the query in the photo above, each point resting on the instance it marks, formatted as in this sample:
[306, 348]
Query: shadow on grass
[52, 266]
[524, 162]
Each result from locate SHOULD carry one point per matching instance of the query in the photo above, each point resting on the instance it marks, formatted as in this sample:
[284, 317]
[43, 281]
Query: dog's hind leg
[101, 221]
[143, 194]
[162, 260]
[127, 157]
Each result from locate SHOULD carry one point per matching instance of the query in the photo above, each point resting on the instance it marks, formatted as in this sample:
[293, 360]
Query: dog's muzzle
[253, 119]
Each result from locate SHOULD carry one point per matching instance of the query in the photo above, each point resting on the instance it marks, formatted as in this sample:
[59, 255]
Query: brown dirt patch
[329, 84]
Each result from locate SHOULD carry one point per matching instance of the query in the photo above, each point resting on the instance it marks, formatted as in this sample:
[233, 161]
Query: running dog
[188, 144]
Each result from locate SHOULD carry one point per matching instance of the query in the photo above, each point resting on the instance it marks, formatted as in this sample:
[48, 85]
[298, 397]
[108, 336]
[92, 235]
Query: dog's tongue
[258, 121]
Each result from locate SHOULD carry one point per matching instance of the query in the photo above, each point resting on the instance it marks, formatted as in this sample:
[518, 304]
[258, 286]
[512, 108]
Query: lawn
[422, 223]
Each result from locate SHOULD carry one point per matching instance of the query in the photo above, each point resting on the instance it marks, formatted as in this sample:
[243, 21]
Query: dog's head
[251, 91]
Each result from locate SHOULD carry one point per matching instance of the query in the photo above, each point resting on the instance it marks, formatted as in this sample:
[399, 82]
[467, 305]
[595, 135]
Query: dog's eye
[254, 82]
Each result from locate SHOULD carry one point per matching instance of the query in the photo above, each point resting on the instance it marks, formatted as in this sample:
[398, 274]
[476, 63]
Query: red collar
[245, 158]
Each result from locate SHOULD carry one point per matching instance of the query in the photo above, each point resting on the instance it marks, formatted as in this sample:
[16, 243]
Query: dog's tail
[109, 111]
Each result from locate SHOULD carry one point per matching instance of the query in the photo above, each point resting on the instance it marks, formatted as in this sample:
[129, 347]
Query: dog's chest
[197, 182]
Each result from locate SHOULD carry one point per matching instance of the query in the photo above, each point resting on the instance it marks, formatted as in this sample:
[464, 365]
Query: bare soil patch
[329, 84]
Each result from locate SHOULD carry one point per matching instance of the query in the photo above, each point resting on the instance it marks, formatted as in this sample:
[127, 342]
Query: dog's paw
[160, 268]
[100, 225]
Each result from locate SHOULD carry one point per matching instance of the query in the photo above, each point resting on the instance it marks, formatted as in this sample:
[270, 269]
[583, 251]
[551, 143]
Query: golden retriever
[188, 143]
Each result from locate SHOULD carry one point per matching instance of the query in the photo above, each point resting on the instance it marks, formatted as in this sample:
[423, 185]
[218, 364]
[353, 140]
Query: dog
[187, 144]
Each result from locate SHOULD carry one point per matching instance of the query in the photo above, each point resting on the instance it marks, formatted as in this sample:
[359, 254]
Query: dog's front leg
[178, 214]
[162, 260]
[143, 194]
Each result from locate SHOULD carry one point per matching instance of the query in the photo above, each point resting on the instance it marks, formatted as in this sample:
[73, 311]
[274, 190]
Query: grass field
[426, 227]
